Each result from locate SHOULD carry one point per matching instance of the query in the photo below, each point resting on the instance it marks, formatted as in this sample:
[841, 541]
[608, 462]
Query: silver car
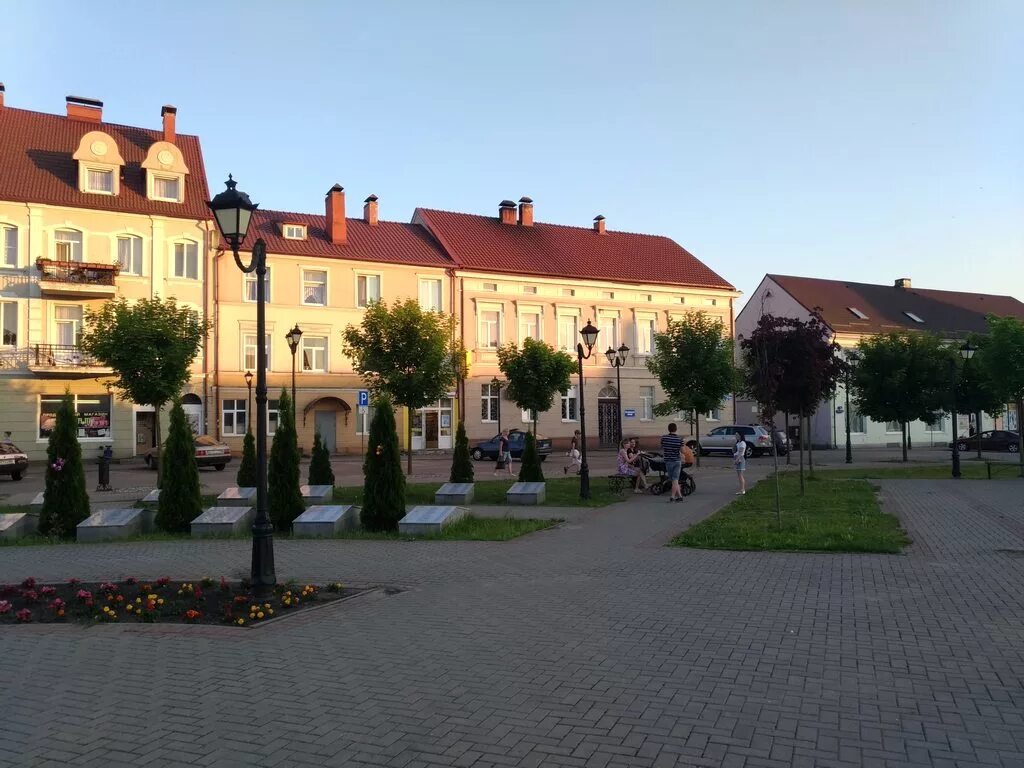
[723, 440]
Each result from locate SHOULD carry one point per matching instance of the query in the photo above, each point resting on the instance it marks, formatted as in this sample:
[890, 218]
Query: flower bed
[182, 602]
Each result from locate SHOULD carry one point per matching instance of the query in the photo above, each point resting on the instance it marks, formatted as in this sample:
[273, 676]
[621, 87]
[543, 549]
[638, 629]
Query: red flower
[28, 583]
[163, 581]
[47, 591]
[24, 616]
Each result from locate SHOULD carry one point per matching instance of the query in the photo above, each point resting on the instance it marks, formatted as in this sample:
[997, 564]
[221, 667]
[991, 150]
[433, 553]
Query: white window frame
[481, 337]
[105, 398]
[527, 416]
[248, 345]
[134, 239]
[429, 283]
[897, 431]
[249, 281]
[647, 403]
[324, 351]
[307, 283]
[489, 400]
[234, 410]
[380, 288]
[570, 397]
[80, 243]
[5, 230]
[709, 302]
[854, 416]
[12, 307]
[185, 244]
[178, 178]
[273, 416]
[644, 329]
[715, 414]
[293, 231]
[536, 312]
[602, 319]
[77, 324]
[937, 427]
[109, 172]
[569, 345]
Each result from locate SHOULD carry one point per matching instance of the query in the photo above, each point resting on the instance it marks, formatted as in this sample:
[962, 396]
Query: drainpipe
[216, 344]
[462, 339]
[206, 344]
[450, 274]
[732, 333]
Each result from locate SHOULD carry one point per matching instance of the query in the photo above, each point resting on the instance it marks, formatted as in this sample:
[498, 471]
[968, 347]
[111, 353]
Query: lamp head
[293, 336]
[232, 210]
[589, 334]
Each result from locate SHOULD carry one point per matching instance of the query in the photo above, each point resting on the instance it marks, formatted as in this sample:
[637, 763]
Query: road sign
[630, 413]
[364, 397]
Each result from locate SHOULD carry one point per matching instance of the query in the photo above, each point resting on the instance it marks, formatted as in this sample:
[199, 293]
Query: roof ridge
[537, 223]
[65, 118]
[912, 289]
[324, 216]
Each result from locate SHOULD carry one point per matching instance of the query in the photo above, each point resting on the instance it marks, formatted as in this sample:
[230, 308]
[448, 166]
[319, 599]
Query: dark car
[209, 453]
[992, 440]
[516, 443]
[13, 461]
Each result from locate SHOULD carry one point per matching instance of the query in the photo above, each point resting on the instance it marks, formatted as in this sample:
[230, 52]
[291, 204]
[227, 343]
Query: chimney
[336, 224]
[89, 110]
[370, 210]
[902, 282]
[525, 212]
[2, 90]
[599, 224]
[507, 212]
[169, 114]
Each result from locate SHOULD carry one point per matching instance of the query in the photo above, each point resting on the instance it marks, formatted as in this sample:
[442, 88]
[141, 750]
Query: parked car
[516, 442]
[992, 440]
[209, 453]
[722, 440]
[13, 461]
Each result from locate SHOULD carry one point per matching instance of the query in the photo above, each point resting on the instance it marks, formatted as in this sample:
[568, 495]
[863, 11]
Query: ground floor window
[646, 403]
[489, 402]
[432, 426]
[93, 415]
[272, 417]
[939, 425]
[570, 404]
[892, 426]
[235, 417]
[857, 423]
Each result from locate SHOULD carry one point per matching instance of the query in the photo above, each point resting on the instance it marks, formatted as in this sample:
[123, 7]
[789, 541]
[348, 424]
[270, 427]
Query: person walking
[504, 454]
[671, 452]
[575, 457]
[739, 461]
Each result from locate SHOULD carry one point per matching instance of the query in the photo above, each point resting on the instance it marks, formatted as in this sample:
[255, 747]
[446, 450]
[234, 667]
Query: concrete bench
[526, 494]
[425, 520]
[223, 521]
[454, 493]
[326, 520]
[313, 495]
[153, 497]
[110, 524]
[237, 497]
[16, 525]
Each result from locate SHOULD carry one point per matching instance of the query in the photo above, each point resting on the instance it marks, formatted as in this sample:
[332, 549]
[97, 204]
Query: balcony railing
[77, 272]
[60, 356]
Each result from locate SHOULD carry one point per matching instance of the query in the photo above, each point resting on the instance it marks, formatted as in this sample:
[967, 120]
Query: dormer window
[167, 188]
[165, 173]
[294, 232]
[99, 164]
[857, 313]
[99, 180]
[913, 317]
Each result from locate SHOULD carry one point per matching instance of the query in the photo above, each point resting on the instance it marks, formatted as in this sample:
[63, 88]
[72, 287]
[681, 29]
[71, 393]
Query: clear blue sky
[864, 140]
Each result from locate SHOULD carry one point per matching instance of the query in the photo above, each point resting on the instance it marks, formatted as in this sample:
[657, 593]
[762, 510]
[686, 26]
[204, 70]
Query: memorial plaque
[222, 521]
[454, 493]
[316, 494]
[110, 524]
[38, 500]
[326, 520]
[153, 497]
[15, 525]
[424, 520]
[237, 497]
[526, 494]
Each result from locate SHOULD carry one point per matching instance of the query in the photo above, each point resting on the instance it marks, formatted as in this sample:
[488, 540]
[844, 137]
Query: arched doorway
[326, 411]
[192, 405]
[609, 425]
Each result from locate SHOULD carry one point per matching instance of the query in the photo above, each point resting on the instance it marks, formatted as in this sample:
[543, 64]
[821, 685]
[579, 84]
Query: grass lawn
[835, 515]
[969, 470]
[561, 492]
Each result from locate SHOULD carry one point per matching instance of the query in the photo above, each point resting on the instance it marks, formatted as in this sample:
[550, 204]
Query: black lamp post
[233, 210]
[851, 359]
[617, 358]
[496, 385]
[967, 351]
[293, 337]
[589, 334]
[248, 408]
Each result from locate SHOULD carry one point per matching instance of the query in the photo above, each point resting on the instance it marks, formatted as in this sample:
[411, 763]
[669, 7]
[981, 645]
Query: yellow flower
[160, 601]
[259, 615]
[151, 597]
[266, 605]
[128, 607]
[241, 622]
[138, 599]
[270, 611]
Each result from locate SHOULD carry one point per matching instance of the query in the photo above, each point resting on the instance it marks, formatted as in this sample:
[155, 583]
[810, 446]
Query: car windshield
[9, 448]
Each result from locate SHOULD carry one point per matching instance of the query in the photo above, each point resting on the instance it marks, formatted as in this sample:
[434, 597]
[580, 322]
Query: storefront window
[93, 415]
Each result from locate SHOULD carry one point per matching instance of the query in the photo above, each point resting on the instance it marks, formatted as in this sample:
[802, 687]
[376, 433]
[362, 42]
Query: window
[67, 245]
[93, 412]
[489, 402]
[528, 416]
[609, 328]
[367, 289]
[710, 302]
[913, 317]
[235, 417]
[857, 422]
[249, 352]
[363, 419]
[939, 425]
[272, 417]
[529, 325]
[679, 300]
[857, 313]
[490, 331]
[186, 260]
[249, 286]
[644, 335]
[10, 246]
[68, 319]
[491, 287]
[607, 294]
[892, 426]
[9, 323]
[314, 353]
[166, 188]
[649, 298]
[646, 403]
[715, 414]
[99, 181]
[430, 294]
[567, 331]
[568, 291]
[532, 289]
[569, 404]
[314, 287]
[294, 232]
[129, 254]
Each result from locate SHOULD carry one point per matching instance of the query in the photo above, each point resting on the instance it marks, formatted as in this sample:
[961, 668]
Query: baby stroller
[653, 462]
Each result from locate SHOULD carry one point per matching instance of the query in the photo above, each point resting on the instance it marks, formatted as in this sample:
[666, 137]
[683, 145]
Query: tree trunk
[810, 446]
[159, 448]
[785, 429]
[778, 489]
[408, 445]
[803, 439]
[903, 441]
[696, 430]
[1020, 434]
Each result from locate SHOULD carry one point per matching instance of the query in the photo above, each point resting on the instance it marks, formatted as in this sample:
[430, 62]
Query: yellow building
[91, 211]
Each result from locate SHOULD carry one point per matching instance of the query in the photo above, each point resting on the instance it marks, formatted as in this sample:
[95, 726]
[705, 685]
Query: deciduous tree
[1003, 359]
[535, 373]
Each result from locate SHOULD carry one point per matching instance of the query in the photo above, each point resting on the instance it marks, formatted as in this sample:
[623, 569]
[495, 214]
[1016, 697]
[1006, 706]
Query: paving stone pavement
[588, 645]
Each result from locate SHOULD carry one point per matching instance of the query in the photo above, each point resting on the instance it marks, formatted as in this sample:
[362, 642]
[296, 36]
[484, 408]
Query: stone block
[237, 497]
[110, 524]
[153, 497]
[224, 521]
[526, 494]
[313, 495]
[16, 525]
[424, 520]
[454, 493]
[37, 502]
[326, 520]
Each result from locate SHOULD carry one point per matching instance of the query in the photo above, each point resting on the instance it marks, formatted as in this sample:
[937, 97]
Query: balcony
[77, 278]
[52, 360]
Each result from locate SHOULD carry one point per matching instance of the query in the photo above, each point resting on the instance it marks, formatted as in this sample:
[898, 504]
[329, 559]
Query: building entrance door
[145, 431]
[608, 426]
[326, 424]
[430, 429]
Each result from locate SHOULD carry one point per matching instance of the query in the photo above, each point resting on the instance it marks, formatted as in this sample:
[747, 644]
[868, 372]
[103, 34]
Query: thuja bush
[180, 501]
[530, 470]
[384, 483]
[65, 501]
[462, 466]
[246, 477]
[320, 472]
[283, 495]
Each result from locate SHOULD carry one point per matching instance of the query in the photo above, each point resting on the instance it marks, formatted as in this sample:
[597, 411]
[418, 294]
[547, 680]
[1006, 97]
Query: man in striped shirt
[671, 447]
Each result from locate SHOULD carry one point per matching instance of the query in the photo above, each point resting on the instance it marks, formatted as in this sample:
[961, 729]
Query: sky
[863, 140]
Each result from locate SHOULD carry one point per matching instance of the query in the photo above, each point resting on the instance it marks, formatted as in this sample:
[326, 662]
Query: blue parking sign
[364, 397]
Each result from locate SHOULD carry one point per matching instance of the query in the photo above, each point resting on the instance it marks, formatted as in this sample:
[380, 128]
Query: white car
[723, 440]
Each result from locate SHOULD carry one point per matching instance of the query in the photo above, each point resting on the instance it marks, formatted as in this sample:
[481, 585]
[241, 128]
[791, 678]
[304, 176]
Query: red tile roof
[949, 313]
[36, 165]
[484, 243]
[389, 242]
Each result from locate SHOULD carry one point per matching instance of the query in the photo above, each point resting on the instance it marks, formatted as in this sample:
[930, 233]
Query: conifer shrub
[384, 483]
[530, 470]
[246, 477]
[180, 500]
[65, 500]
[462, 466]
[284, 499]
[320, 472]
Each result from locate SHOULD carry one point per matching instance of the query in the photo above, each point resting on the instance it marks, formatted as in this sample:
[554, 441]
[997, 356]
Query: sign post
[363, 400]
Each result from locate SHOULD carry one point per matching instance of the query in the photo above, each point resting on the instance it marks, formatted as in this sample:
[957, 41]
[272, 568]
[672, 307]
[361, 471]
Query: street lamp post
[589, 334]
[233, 210]
[851, 358]
[966, 352]
[248, 404]
[496, 385]
[293, 337]
[617, 358]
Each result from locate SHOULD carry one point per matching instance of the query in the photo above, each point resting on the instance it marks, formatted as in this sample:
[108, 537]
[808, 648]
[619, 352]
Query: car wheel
[219, 467]
[478, 455]
[1012, 447]
[16, 475]
[962, 447]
